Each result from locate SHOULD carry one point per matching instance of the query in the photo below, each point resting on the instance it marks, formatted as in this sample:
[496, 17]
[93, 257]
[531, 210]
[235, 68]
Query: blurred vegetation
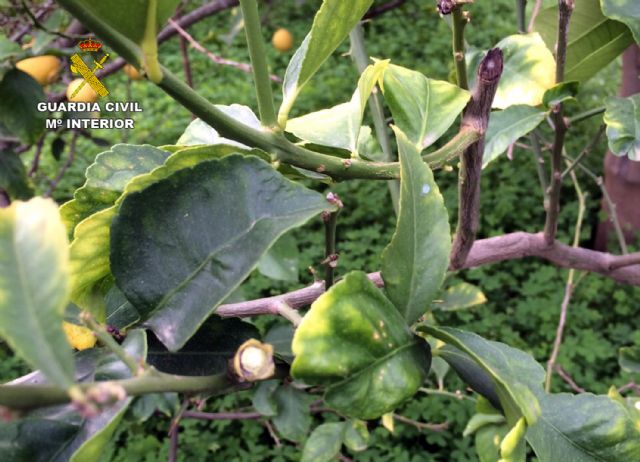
[524, 296]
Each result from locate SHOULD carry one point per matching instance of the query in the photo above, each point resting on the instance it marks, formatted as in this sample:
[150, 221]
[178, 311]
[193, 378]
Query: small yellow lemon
[132, 72]
[282, 40]
[44, 68]
[85, 95]
[79, 337]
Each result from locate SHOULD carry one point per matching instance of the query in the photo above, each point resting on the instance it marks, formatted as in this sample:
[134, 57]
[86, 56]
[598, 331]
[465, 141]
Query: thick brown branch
[381, 9]
[624, 269]
[476, 116]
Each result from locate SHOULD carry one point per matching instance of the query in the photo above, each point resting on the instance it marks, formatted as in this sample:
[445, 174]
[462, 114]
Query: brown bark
[622, 175]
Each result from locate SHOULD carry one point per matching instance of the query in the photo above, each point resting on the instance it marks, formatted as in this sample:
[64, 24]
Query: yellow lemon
[85, 95]
[79, 337]
[44, 68]
[132, 72]
[282, 40]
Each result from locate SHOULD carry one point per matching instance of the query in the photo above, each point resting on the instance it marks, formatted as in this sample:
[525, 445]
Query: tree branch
[624, 269]
[476, 116]
[565, 8]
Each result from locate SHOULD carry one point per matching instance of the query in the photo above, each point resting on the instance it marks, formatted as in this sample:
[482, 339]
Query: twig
[330, 256]
[586, 115]
[585, 151]
[272, 433]
[215, 58]
[361, 60]
[568, 291]
[630, 386]
[222, 415]
[107, 340]
[457, 394]
[565, 8]
[460, 19]
[173, 446]
[626, 260]
[35, 18]
[521, 14]
[476, 116]
[36, 157]
[542, 174]
[65, 167]
[534, 15]
[435, 427]
[375, 11]
[186, 65]
[613, 214]
[564, 375]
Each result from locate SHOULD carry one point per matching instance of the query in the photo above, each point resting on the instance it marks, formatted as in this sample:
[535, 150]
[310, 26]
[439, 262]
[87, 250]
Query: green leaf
[331, 25]
[340, 126]
[594, 40]
[200, 133]
[8, 48]
[584, 428]
[422, 108]
[529, 71]
[356, 435]
[282, 260]
[512, 370]
[459, 297]
[294, 418]
[120, 312]
[324, 443]
[281, 336]
[626, 11]
[34, 286]
[415, 262]
[207, 352]
[13, 176]
[354, 341]
[623, 126]
[107, 178]
[506, 127]
[176, 264]
[488, 440]
[20, 95]
[629, 359]
[559, 93]
[263, 400]
[145, 406]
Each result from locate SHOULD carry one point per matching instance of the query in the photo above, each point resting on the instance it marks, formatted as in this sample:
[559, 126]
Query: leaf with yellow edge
[34, 286]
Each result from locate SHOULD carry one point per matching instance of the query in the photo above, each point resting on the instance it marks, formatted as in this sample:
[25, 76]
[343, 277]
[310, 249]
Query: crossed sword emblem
[89, 74]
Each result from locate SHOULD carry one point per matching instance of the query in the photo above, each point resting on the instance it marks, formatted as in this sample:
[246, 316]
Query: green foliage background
[524, 296]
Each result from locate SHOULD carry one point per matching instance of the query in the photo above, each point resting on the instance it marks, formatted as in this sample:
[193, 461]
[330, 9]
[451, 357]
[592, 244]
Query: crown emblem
[90, 45]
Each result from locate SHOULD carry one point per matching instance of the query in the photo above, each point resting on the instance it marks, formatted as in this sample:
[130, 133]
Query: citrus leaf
[183, 244]
[339, 126]
[20, 95]
[293, 419]
[324, 443]
[506, 127]
[354, 341]
[331, 25]
[623, 126]
[513, 372]
[107, 178]
[356, 435]
[415, 262]
[422, 108]
[560, 92]
[34, 286]
[594, 40]
[626, 11]
[281, 260]
[13, 176]
[584, 428]
[459, 297]
[629, 359]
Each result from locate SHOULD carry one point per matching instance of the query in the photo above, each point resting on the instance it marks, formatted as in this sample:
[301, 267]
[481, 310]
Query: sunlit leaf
[357, 344]
[34, 286]
[623, 126]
